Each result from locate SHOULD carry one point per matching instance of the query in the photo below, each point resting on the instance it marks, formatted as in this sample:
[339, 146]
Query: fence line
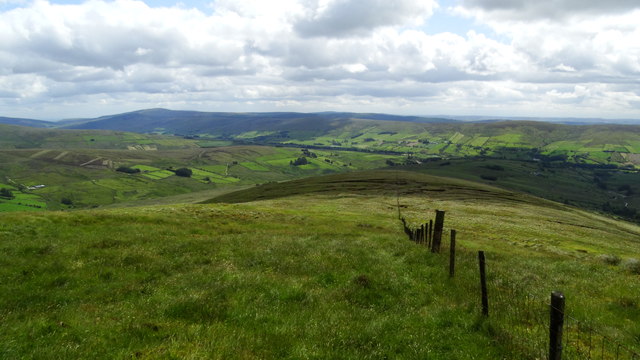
[524, 318]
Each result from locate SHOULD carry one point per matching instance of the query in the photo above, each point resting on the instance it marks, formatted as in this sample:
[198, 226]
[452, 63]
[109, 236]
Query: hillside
[322, 272]
[610, 144]
[613, 191]
[423, 137]
[25, 137]
[26, 122]
[71, 169]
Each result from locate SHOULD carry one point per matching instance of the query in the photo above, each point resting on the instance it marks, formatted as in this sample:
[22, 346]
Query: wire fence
[522, 321]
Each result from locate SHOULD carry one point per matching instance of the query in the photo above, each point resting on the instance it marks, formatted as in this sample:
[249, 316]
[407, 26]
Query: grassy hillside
[588, 166]
[69, 175]
[23, 137]
[326, 273]
[591, 144]
[612, 191]
[26, 122]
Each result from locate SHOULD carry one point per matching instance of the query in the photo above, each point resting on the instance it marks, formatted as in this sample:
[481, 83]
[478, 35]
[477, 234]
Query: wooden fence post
[425, 236]
[483, 284]
[555, 325]
[430, 234]
[452, 254]
[437, 232]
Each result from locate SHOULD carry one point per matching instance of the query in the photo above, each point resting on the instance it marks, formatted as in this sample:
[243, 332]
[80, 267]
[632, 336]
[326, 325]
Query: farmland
[89, 178]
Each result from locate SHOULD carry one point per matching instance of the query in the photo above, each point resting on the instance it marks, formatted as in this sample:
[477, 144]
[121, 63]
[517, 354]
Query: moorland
[284, 239]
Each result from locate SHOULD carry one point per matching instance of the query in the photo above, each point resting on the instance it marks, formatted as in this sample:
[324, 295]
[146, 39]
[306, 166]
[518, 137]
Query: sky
[544, 58]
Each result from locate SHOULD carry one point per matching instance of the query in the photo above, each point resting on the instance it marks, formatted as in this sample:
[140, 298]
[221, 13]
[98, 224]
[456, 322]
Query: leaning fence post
[483, 284]
[452, 254]
[555, 325]
[422, 234]
[437, 232]
[430, 234]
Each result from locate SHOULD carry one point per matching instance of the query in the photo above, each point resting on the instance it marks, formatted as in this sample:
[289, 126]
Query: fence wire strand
[522, 319]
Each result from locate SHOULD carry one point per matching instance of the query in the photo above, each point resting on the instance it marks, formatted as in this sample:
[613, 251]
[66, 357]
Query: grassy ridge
[18, 137]
[321, 274]
[249, 281]
[611, 191]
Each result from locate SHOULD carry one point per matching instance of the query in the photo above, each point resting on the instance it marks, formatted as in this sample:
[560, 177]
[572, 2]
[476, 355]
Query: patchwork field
[89, 177]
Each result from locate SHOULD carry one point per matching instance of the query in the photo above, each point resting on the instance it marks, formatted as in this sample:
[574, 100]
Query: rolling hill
[26, 122]
[62, 169]
[322, 269]
[426, 137]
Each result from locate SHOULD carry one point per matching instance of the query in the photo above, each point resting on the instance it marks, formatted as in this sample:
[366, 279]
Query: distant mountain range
[27, 122]
[191, 122]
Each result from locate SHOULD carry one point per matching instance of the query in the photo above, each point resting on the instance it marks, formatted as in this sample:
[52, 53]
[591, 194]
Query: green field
[21, 201]
[214, 143]
[313, 266]
[88, 177]
[153, 172]
[254, 166]
[320, 268]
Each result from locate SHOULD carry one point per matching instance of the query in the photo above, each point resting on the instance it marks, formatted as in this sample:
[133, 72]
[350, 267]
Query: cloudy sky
[555, 58]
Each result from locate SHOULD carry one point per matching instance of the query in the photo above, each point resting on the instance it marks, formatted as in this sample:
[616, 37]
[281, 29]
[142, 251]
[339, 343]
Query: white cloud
[317, 55]
[339, 18]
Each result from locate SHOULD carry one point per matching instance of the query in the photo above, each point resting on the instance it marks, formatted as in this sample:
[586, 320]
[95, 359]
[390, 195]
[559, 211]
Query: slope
[592, 144]
[23, 137]
[321, 274]
[26, 122]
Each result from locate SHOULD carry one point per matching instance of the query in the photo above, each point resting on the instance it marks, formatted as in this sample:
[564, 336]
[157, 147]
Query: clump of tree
[127, 170]
[66, 201]
[489, 177]
[308, 153]
[6, 193]
[299, 161]
[184, 172]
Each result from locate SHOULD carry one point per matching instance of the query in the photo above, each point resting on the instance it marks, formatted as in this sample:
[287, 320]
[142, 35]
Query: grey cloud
[551, 9]
[360, 17]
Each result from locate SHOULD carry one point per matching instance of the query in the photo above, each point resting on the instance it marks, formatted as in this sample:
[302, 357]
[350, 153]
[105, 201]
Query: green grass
[321, 269]
[207, 176]
[254, 166]
[478, 141]
[573, 186]
[146, 168]
[456, 138]
[21, 201]
[214, 143]
[153, 173]
[218, 169]
[99, 184]
[158, 175]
